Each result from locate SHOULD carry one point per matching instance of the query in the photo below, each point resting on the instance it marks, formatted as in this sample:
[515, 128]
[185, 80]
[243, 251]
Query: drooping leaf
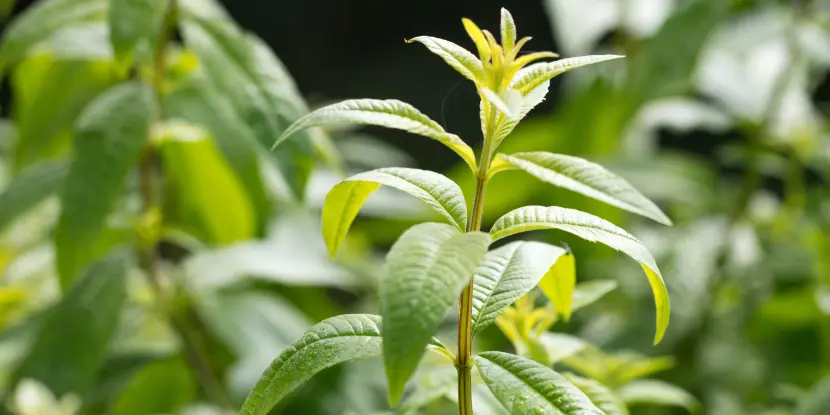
[345, 199]
[71, 343]
[593, 229]
[558, 284]
[41, 21]
[425, 271]
[508, 273]
[30, 187]
[525, 387]
[459, 58]
[160, 387]
[656, 392]
[210, 201]
[385, 113]
[335, 340]
[132, 22]
[588, 292]
[560, 346]
[534, 75]
[109, 138]
[507, 108]
[586, 178]
[604, 398]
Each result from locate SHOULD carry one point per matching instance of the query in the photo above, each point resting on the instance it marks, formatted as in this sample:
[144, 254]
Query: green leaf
[586, 178]
[817, 400]
[426, 269]
[202, 187]
[43, 20]
[29, 188]
[72, 341]
[385, 113]
[526, 387]
[604, 398]
[588, 292]
[558, 284]
[657, 392]
[560, 346]
[508, 108]
[346, 198]
[508, 30]
[506, 274]
[132, 22]
[335, 340]
[593, 229]
[459, 58]
[160, 387]
[529, 101]
[109, 138]
[530, 77]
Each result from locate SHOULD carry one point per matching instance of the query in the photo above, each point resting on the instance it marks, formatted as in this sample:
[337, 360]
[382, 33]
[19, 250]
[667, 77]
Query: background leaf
[132, 22]
[160, 387]
[29, 188]
[558, 284]
[657, 392]
[605, 399]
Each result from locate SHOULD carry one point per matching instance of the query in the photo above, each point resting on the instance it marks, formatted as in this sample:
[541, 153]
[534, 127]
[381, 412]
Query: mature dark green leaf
[506, 274]
[425, 271]
[109, 138]
[72, 341]
[655, 392]
[594, 229]
[132, 22]
[30, 187]
[604, 398]
[160, 387]
[345, 199]
[526, 387]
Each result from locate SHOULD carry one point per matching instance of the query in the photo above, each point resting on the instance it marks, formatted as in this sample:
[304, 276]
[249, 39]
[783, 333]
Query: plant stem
[149, 178]
[465, 303]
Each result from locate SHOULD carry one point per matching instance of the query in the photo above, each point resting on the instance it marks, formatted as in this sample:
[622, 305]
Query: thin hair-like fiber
[444, 103]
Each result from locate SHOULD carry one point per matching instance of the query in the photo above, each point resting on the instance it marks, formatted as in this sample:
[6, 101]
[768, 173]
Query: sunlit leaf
[132, 22]
[459, 58]
[655, 392]
[385, 113]
[526, 387]
[534, 75]
[529, 101]
[586, 178]
[508, 30]
[604, 398]
[109, 138]
[594, 229]
[560, 346]
[508, 108]
[508, 273]
[588, 292]
[29, 188]
[425, 272]
[558, 285]
[345, 199]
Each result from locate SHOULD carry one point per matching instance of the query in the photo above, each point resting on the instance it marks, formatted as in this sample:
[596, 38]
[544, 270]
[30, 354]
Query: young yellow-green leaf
[588, 292]
[586, 178]
[335, 340]
[478, 38]
[532, 76]
[132, 22]
[604, 398]
[210, 201]
[594, 229]
[525, 387]
[71, 343]
[43, 20]
[529, 101]
[508, 31]
[507, 107]
[459, 58]
[506, 274]
[655, 392]
[345, 199]
[109, 138]
[31, 186]
[425, 271]
[389, 113]
[558, 284]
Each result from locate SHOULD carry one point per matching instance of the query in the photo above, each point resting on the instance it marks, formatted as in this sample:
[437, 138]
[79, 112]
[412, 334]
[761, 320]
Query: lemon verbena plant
[433, 264]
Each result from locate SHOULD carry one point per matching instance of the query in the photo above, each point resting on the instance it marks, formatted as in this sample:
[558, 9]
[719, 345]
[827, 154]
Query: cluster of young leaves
[431, 264]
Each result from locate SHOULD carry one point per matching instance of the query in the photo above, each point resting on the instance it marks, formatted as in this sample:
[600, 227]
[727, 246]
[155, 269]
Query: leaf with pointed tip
[525, 387]
[508, 108]
[558, 284]
[604, 398]
[459, 58]
[425, 271]
[532, 76]
[588, 292]
[657, 392]
[345, 199]
[586, 178]
[132, 22]
[508, 30]
[593, 229]
[529, 101]
[109, 138]
[30, 187]
[388, 113]
[506, 274]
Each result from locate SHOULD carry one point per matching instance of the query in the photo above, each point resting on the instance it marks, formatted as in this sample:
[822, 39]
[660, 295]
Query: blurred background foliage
[719, 113]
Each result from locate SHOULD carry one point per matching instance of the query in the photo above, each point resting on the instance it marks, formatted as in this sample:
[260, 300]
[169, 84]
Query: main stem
[465, 303]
